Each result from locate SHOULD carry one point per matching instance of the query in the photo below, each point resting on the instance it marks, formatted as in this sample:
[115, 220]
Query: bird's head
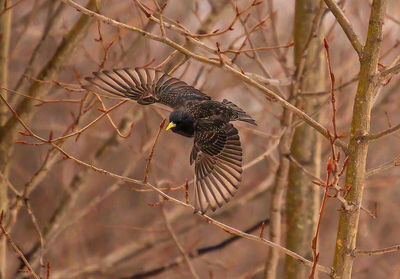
[181, 122]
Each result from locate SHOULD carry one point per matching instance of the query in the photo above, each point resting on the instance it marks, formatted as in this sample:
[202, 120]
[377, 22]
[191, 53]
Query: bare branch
[377, 252]
[16, 249]
[391, 71]
[210, 220]
[269, 93]
[346, 26]
[384, 133]
[146, 172]
[180, 248]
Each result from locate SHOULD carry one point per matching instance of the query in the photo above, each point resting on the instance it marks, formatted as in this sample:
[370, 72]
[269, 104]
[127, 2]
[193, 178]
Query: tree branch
[377, 252]
[346, 26]
[384, 133]
[167, 197]
[231, 68]
[391, 71]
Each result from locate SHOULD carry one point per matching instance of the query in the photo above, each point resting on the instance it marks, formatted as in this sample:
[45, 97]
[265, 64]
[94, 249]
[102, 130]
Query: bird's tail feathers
[240, 114]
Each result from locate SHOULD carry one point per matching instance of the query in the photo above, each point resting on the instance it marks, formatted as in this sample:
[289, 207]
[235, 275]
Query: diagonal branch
[391, 71]
[167, 197]
[376, 252]
[180, 248]
[16, 249]
[346, 26]
[215, 62]
[384, 133]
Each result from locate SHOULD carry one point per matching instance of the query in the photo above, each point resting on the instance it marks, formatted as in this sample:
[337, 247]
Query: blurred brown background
[96, 227]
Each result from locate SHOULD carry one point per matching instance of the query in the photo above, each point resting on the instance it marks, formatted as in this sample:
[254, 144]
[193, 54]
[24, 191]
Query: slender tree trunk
[271, 264]
[358, 146]
[5, 32]
[302, 198]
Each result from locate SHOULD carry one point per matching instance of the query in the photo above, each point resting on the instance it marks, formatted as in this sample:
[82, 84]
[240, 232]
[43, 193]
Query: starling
[217, 152]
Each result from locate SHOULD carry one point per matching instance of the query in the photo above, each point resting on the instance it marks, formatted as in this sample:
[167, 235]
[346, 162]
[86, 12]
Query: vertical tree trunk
[5, 31]
[358, 146]
[271, 264]
[302, 198]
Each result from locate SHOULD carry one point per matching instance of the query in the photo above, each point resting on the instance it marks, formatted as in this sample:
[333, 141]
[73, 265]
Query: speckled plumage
[217, 152]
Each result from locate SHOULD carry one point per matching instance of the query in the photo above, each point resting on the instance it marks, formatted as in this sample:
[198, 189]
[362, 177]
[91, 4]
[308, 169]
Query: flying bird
[216, 153]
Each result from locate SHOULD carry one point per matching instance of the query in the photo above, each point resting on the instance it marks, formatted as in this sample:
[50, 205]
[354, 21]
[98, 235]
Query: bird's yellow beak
[170, 125]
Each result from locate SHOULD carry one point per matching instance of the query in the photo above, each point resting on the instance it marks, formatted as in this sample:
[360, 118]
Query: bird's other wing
[217, 154]
[145, 85]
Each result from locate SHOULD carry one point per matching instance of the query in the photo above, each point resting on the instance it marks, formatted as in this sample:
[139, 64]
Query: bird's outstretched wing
[145, 85]
[217, 154]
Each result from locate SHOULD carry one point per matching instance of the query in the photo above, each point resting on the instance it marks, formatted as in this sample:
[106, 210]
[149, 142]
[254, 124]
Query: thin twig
[180, 248]
[346, 26]
[321, 212]
[16, 249]
[384, 133]
[268, 92]
[256, 49]
[387, 165]
[391, 71]
[332, 79]
[129, 133]
[167, 197]
[146, 172]
[377, 252]
[37, 228]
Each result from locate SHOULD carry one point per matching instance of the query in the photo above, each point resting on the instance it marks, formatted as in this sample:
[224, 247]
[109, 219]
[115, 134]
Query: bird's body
[195, 112]
[217, 151]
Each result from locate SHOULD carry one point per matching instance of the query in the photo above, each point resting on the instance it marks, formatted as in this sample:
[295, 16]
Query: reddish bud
[187, 191]
[346, 161]
[329, 165]
[23, 134]
[262, 229]
[218, 46]
[333, 78]
[387, 82]
[155, 204]
[163, 123]
[109, 45]
[326, 44]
